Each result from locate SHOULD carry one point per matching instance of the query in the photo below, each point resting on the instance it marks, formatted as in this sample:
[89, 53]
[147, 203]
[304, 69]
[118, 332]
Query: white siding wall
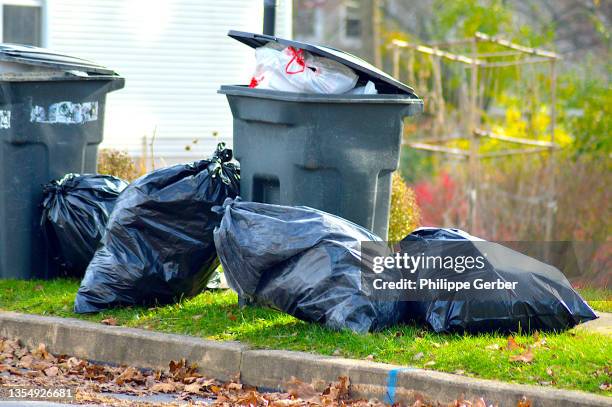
[174, 55]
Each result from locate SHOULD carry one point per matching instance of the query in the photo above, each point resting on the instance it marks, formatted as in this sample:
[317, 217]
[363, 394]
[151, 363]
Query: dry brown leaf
[605, 386]
[494, 346]
[234, 386]
[336, 391]
[512, 345]
[539, 343]
[480, 403]
[110, 321]
[300, 390]
[193, 388]
[26, 362]
[52, 371]
[525, 357]
[127, 375]
[10, 346]
[41, 352]
[163, 387]
[524, 402]
[250, 399]
[40, 365]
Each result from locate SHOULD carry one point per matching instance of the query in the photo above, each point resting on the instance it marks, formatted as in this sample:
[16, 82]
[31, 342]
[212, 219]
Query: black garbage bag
[75, 211]
[159, 244]
[541, 299]
[301, 261]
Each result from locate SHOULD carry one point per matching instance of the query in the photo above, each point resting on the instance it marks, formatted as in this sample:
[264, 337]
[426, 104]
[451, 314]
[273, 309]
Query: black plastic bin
[51, 122]
[334, 152]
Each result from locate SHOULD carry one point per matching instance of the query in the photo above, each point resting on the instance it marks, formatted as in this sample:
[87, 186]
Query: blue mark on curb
[392, 381]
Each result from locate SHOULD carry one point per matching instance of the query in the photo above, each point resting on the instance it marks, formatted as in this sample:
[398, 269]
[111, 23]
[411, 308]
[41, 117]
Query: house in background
[174, 55]
[344, 24]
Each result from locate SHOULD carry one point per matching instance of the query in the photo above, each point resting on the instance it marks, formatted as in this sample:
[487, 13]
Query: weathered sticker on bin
[65, 113]
[5, 119]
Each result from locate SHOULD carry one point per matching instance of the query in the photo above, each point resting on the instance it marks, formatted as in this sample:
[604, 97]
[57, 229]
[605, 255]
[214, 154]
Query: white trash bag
[295, 70]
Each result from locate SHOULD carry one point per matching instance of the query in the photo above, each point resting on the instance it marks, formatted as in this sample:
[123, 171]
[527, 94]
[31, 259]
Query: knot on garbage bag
[223, 154]
[219, 163]
[59, 186]
[297, 57]
[220, 209]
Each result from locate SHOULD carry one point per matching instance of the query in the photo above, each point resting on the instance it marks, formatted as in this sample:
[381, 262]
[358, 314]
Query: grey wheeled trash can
[334, 152]
[51, 122]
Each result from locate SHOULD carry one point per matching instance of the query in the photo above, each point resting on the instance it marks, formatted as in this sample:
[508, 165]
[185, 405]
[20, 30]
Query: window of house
[306, 21]
[22, 24]
[353, 23]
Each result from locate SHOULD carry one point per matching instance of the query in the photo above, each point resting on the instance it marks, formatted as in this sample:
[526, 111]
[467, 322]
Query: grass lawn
[572, 360]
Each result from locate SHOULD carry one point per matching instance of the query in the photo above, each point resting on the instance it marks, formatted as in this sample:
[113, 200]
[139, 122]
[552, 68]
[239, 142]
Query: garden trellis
[481, 65]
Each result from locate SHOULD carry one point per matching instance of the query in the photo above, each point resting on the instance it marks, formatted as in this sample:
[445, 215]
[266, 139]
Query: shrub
[117, 163]
[405, 215]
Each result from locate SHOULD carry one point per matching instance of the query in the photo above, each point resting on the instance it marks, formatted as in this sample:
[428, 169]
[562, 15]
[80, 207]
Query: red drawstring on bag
[254, 82]
[298, 57]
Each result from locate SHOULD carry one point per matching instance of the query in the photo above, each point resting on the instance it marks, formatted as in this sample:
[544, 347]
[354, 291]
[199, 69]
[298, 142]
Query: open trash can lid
[366, 72]
[29, 55]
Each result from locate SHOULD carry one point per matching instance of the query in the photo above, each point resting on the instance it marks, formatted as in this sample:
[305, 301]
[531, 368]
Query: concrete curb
[271, 368]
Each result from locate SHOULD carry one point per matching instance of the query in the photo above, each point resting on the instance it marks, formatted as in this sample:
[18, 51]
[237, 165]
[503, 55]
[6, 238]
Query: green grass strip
[575, 359]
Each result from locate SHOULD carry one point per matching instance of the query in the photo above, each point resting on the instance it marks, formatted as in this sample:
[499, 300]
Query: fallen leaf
[525, 357]
[512, 345]
[52, 371]
[605, 386]
[336, 352]
[537, 341]
[430, 363]
[193, 388]
[110, 321]
[418, 356]
[369, 357]
[26, 361]
[480, 403]
[38, 287]
[231, 316]
[234, 386]
[126, 376]
[41, 352]
[343, 386]
[250, 399]
[524, 402]
[494, 346]
[300, 390]
[549, 371]
[163, 387]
